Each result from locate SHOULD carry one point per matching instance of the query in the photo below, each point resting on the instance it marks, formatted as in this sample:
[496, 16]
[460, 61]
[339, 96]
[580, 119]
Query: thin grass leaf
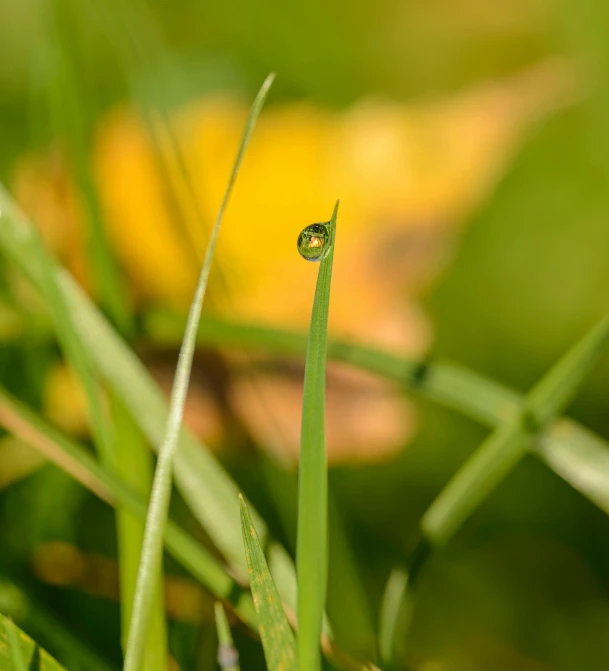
[576, 454]
[158, 510]
[275, 632]
[133, 464]
[17, 650]
[347, 606]
[580, 457]
[312, 540]
[228, 655]
[204, 484]
[395, 607]
[71, 457]
[451, 385]
[72, 346]
[498, 455]
[67, 643]
[503, 449]
[14, 645]
[73, 124]
[70, 102]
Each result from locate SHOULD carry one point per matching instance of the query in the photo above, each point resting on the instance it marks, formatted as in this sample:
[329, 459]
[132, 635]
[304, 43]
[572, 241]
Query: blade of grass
[275, 632]
[581, 458]
[158, 510]
[454, 386]
[312, 539]
[228, 656]
[504, 448]
[204, 484]
[71, 102]
[64, 641]
[17, 650]
[393, 610]
[347, 607]
[133, 464]
[17, 658]
[115, 453]
[500, 453]
[74, 459]
[573, 452]
[71, 457]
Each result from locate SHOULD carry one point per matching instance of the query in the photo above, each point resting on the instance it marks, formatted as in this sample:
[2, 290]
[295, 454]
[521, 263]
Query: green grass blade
[17, 650]
[312, 540]
[580, 457]
[573, 452]
[14, 645]
[73, 124]
[133, 464]
[275, 632]
[158, 511]
[71, 457]
[72, 347]
[504, 448]
[395, 608]
[70, 101]
[228, 656]
[204, 484]
[16, 602]
[348, 608]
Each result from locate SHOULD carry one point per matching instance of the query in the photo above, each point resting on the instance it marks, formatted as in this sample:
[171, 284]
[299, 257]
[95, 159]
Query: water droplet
[314, 241]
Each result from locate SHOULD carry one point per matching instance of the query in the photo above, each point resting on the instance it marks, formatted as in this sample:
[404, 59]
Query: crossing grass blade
[574, 453]
[19, 653]
[275, 632]
[206, 487]
[74, 460]
[228, 656]
[75, 353]
[312, 540]
[504, 448]
[152, 549]
[203, 483]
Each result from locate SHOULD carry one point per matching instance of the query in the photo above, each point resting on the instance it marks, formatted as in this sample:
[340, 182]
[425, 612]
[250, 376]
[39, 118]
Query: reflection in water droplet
[314, 242]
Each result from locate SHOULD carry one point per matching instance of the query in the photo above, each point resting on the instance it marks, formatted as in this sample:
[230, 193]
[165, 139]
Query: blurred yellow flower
[407, 175]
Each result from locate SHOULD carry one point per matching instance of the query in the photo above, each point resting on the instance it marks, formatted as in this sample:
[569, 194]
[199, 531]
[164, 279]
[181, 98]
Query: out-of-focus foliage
[467, 142]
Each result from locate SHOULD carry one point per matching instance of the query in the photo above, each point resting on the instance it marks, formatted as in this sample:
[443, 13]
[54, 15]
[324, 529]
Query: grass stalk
[504, 448]
[567, 448]
[228, 655]
[69, 100]
[575, 454]
[275, 632]
[18, 652]
[74, 460]
[133, 465]
[17, 657]
[312, 540]
[158, 511]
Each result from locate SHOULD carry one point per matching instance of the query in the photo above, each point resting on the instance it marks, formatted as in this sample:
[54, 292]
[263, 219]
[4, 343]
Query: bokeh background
[469, 144]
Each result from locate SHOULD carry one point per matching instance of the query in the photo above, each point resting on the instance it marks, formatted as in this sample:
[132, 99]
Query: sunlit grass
[228, 655]
[312, 542]
[158, 511]
[275, 632]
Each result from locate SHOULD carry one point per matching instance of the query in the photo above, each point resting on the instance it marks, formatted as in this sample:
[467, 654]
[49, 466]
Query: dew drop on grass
[314, 241]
